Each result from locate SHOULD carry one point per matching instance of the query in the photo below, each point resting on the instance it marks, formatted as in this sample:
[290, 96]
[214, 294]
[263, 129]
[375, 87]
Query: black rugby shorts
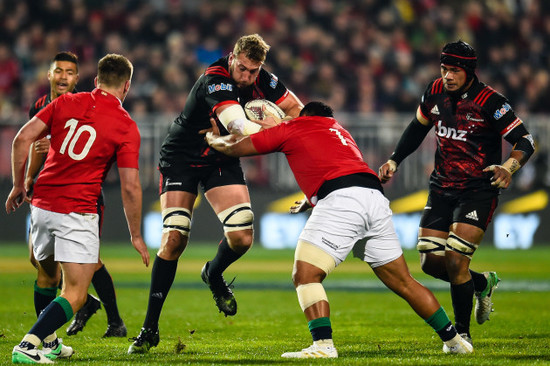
[474, 208]
[208, 177]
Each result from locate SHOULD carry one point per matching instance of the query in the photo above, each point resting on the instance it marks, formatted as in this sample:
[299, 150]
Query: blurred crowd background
[370, 59]
[360, 56]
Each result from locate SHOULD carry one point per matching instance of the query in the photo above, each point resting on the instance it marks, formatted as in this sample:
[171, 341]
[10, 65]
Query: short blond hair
[114, 70]
[253, 47]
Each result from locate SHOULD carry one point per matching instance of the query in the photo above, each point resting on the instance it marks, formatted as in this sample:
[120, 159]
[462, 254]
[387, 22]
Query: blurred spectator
[320, 47]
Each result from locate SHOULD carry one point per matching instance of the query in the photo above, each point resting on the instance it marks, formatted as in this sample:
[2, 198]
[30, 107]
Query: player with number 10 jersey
[90, 130]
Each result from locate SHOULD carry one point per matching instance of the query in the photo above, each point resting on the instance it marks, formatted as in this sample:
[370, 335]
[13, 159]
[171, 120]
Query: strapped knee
[312, 254]
[432, 245]
[461, 246]
[310, 293]
[176, 218]
[238, 217]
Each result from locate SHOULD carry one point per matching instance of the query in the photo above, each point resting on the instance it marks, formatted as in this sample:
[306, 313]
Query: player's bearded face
[454, 78]
[243, 70]
[63, 76]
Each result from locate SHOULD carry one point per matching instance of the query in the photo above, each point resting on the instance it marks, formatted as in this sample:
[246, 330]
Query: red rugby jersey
[89, 131]
[317, 149]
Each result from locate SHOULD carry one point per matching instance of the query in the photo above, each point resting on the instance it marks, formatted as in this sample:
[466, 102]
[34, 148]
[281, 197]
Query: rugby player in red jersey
[89, 132]
[63, 77]
[348, 205]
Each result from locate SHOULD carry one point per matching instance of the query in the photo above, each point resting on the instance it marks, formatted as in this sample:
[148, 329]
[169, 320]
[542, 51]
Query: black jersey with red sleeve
[469, 129]
[39, 104]
[184, 146]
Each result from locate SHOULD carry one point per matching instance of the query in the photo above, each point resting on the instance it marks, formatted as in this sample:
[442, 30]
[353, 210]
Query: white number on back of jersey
[72, 138]
[344, 142]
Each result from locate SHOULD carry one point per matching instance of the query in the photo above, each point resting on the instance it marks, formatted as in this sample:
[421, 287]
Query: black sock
[42, 297]
[480, 282]
[52, 318]
[462, 298]
[103, 284]
[162, 277]
[223, 259]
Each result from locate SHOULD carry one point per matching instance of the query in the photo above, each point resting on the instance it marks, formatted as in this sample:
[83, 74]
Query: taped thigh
[310, 293]
[459, 245]
[238, 217]
[177, 219]
[312, 254]
[432, 245]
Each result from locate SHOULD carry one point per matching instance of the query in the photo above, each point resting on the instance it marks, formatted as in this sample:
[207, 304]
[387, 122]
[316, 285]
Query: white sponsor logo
[435, 110]
[470, 118]
[449, 132]
[472, 215]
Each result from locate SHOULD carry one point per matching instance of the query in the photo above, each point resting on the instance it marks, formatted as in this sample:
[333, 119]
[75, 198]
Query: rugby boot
[146, 339]
[484, 305]
[319, 349]
[83, 315]
[460, 344]
[116, 330]
[25, 352]
[221, 292]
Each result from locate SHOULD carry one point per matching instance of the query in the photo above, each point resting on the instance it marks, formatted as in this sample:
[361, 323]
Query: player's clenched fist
[385, 172]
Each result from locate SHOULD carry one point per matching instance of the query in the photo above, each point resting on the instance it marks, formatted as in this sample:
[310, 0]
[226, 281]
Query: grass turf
[371, 325]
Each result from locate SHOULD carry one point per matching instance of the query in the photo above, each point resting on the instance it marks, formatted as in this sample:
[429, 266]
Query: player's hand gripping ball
[254, 110]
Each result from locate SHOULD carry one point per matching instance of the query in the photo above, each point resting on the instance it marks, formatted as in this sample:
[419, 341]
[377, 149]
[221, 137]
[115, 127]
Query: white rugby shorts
[348, 215]
[72, 237]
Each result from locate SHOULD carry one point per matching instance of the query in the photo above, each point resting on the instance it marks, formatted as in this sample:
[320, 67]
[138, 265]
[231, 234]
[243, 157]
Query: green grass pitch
[371, 325]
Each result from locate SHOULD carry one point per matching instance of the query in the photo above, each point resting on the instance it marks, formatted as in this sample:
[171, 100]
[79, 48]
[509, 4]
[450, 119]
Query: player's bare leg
[396, 276]
[307, 279]
[76, 280]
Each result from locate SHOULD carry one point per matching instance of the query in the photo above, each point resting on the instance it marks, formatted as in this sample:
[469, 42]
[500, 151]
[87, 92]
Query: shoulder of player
[488, 98]
[218, 68]
[267, 79]
[435, 87]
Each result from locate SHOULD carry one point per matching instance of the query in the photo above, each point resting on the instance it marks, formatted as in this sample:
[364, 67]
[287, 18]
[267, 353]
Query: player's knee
[310, 294]
[33, 261]
[172, 245]
[176, 225]
[460, 245]
[237, 218]
[176, 219]
[311, 264]
[240, 241]
[431, 245]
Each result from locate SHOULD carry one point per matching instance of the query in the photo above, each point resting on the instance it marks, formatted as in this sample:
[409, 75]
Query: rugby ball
[253, 109]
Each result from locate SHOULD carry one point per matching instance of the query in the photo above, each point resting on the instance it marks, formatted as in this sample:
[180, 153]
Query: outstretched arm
[232, 145]
[130, 188]
[410, 140]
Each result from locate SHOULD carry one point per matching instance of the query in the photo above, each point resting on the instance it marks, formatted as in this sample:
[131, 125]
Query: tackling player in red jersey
[89, 132]
[348, 205]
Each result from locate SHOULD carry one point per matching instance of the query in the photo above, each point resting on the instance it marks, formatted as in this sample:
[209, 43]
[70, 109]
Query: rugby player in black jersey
[470, 121]
[186, 161]
[63, 77]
